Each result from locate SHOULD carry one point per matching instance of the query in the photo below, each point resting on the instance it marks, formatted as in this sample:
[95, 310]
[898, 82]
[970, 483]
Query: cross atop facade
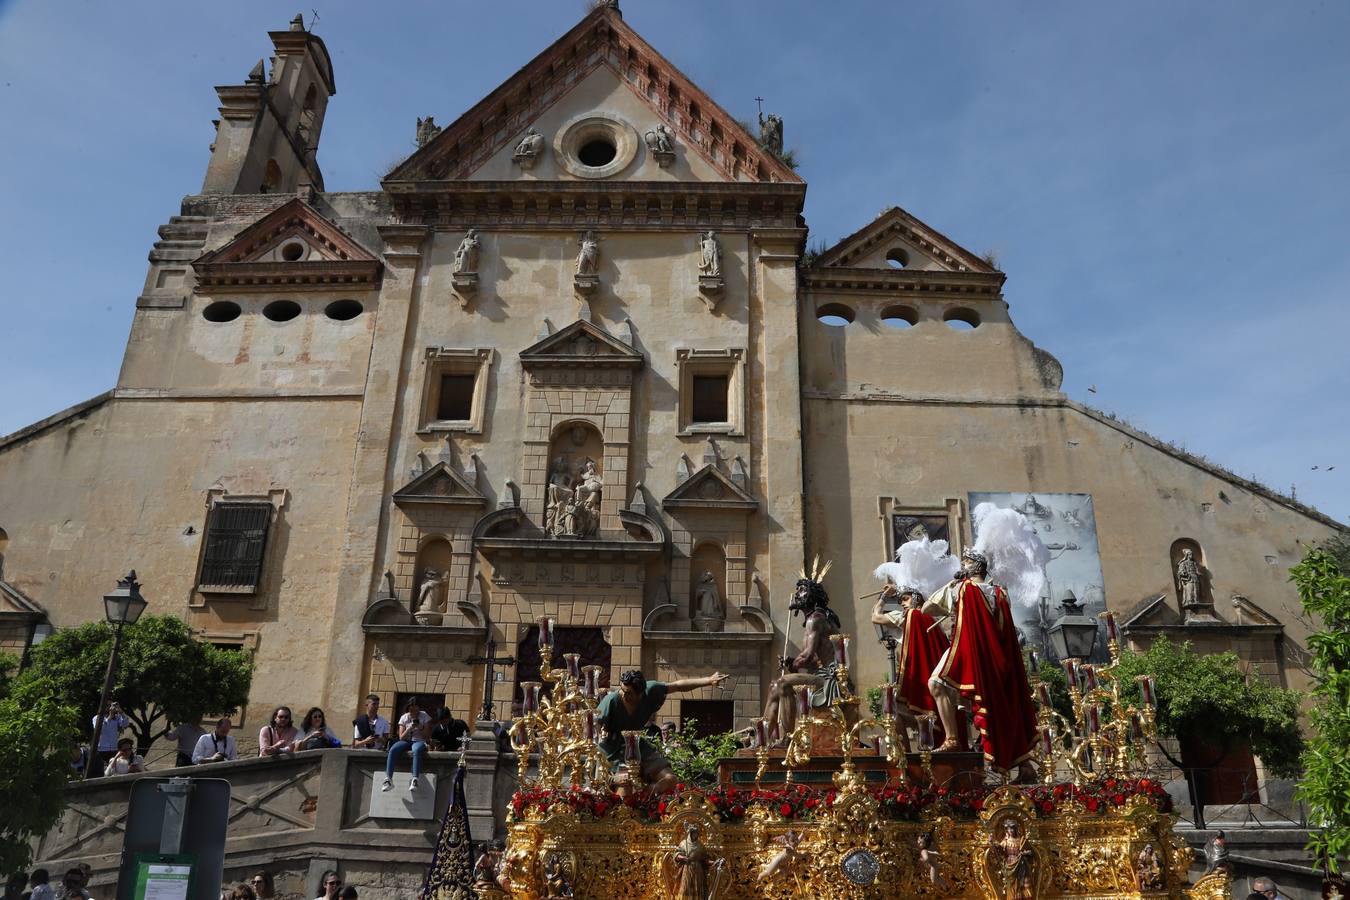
[489, 713]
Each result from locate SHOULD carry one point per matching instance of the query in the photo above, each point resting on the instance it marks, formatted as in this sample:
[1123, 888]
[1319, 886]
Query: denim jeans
[419, 752]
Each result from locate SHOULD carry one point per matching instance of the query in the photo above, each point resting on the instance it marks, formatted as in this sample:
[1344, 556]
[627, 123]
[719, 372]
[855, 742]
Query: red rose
[1047, 806]
[737, 811]
[785, 810]
[942, 792]
[1110, 784]
[1145, 783]
[812, 803]
[661, 808]
[1092, 804]
[1118, 799]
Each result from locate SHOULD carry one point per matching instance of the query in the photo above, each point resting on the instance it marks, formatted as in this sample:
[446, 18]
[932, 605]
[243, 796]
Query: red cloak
[920, 649]
[985, 665]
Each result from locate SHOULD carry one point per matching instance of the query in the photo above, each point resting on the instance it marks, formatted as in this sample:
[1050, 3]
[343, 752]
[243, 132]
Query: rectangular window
[236, 539]
[710, 716]
[710, 399]
[455, 403]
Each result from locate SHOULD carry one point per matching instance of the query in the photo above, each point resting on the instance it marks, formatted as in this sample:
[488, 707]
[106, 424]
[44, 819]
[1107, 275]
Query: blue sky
[1166, 184]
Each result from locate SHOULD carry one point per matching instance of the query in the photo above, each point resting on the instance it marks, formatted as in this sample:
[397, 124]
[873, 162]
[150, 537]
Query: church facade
[570, 359]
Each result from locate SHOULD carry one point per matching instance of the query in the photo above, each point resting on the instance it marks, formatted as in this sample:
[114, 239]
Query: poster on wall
[912, 527]
[1068, 527]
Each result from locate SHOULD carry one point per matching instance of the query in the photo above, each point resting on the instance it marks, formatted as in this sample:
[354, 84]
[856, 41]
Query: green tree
[693, 759]
[1323, 581]
[1209, 698]
[164, 674]
[35, 744]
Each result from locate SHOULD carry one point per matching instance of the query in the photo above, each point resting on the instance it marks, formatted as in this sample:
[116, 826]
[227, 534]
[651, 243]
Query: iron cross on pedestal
[489, 713]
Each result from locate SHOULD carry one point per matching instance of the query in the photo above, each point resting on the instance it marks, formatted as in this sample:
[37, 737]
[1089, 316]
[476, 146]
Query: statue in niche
[1148, 874]
[557, 496]
[1188, 579]
[588, 257]
[710, 255]
[557, 881]
[709, 614]
[660, 139]
[771, 133]
[590, 487]
[426, 130]
[1013, 862]
[429, 597]
[466, 255]
[528, 149]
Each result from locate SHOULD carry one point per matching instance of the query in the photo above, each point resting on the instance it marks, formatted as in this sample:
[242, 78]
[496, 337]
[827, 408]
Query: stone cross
[489, 713]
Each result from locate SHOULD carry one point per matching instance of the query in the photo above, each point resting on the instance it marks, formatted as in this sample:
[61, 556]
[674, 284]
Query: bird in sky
[1092, 389]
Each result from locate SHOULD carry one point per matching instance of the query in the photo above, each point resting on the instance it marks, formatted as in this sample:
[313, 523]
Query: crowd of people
[416, 731]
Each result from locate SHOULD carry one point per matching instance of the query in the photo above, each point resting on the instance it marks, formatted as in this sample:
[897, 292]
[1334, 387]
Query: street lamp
[122, 606]
[1074, 634]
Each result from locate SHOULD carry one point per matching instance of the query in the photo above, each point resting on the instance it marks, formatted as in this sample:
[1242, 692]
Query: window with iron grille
[236, 539]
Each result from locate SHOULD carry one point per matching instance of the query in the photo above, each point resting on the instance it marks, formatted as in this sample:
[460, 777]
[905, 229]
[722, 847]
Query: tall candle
[1043, 695]
[1094, 720]
[588, 725]
[1071, 671]
[590, 685]
[531, 690]
[1090, 677]
[926, 731]
[841, 646]
[573, 664]
[631, 748]
[1047, 741]
[803, 700]
[888, 700]
[1110, 619]
[1034, 659]
[1136, 727]
[761, 733]
[1146, 688]
[892, 675]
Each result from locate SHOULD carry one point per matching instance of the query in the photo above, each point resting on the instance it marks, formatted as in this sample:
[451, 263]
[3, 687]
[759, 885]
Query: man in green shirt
[630, 708]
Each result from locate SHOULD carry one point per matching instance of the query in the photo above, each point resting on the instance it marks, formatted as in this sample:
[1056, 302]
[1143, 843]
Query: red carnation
[785, 810]
[1118, 799]
[1110, 784]
[1145, 783]
[661, 808]
[1092, 804]
[737, 811]
[812, 803]
[1047, 806]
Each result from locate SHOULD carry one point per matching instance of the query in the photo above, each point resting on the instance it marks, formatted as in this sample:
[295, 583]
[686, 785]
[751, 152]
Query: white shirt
[209, 744]
[119, 766]
[379, 726]
[112, 729]
[421, 732]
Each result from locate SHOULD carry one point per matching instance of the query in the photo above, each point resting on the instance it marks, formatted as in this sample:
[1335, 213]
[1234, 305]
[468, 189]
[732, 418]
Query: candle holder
[761, 744]
[561, 726]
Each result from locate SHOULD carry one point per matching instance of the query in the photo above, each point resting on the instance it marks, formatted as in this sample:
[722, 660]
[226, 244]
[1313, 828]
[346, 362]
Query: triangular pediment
[440, 484]
[709, 488]
[581, 343]
[293, 245]
[599, 66]
[897, 240]
[15, 605]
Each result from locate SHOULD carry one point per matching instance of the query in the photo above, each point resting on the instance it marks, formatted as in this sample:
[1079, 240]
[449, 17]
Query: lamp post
[1074, 634]
[122, 606]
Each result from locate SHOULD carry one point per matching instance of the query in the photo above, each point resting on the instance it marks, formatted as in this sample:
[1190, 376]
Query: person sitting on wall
[315, 733]
[449, 732]
[370, 729]
[277, 738]
[217, 746]
[630, 708]
[126, 760]
[414, 728]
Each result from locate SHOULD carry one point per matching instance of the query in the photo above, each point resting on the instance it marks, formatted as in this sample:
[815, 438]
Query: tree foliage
[1210, 698]
[164, 674]
[693, 759]
[35, 743]
[1323, 582]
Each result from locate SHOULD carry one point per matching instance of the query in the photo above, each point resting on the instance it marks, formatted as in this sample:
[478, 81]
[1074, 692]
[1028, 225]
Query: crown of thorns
[975, 556]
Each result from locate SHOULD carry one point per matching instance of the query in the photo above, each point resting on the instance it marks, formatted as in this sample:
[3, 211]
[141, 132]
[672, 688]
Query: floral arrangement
[797, 802]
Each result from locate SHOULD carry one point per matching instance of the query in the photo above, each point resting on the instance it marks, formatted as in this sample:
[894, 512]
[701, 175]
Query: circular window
[836, 315]
[221, 311]
[897, 258]
[598, 152]
[293, 251]
[281, 310]
[343, 310]
[961, 319]
[899, 317]
[595, 146]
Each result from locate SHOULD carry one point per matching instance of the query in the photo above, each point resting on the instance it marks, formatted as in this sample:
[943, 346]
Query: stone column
[372, 467]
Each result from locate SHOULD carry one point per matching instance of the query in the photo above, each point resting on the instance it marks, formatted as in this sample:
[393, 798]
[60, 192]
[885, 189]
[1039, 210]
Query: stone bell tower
[267, 135]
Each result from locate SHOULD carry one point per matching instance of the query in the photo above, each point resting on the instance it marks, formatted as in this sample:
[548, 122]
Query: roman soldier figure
[918, 650]
[984, 667]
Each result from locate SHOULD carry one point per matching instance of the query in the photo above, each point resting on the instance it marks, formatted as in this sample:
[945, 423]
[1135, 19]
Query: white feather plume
[1017, 555]
[923, 564]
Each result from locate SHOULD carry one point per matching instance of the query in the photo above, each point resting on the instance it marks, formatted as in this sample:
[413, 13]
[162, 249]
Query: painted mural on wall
[1067, 525]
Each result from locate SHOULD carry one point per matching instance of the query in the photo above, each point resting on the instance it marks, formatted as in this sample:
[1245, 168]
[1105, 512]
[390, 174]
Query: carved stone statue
[590, 487]
[661, 143]
[528, 149]
[1188, 579]
[429, 598]
[771, 133]
[588, 257]
[709, 614]
[692, 872]
[557, 496]
[710, 255]
[1013, 863]
[1148, 874]
[426, 130]
[466, 255]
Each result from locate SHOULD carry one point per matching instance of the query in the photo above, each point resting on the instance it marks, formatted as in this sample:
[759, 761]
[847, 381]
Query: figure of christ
[630, 708]
[918, 650]
[815, 666]
[693, 866]
[984, 666]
